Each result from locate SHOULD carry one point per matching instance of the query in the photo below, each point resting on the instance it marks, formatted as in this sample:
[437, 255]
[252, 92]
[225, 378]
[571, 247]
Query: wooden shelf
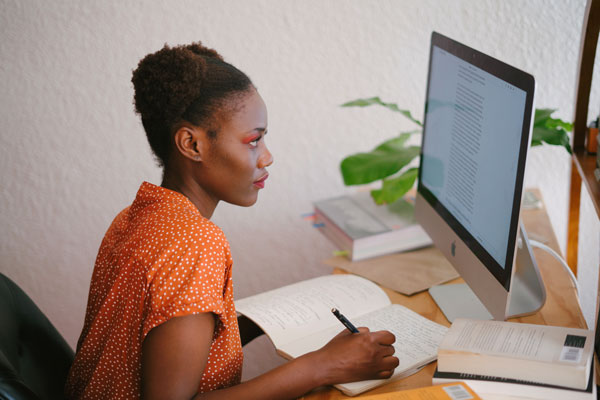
[586, 164]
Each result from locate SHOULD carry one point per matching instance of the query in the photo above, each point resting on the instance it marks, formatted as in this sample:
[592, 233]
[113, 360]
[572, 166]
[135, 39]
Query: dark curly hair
[183, 83]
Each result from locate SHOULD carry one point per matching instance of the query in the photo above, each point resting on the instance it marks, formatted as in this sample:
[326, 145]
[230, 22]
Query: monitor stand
[527, 292]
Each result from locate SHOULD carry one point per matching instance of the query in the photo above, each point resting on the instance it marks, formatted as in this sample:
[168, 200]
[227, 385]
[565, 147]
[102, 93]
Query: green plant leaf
[541, 115]
[543, 118]
[557, 137]
[413, 132]
[394, 188]
[377, 101]
[550, 130]
[554, 123]
[383, 161]
[394, 143]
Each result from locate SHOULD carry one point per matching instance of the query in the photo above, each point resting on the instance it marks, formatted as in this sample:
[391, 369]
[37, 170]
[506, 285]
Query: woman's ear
[190, 142]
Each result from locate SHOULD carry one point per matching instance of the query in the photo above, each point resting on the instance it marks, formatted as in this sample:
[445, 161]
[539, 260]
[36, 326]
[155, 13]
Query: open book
[298, 319]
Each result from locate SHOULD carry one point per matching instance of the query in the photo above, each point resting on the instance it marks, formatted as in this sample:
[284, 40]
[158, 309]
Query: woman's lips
[261, 182]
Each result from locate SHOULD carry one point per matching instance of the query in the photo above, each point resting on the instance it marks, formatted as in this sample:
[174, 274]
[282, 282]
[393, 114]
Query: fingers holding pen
[357, 356]
[384, 337]
[388, 362]
[380, 343]
[387, 350]
[382, 340]
[370, 353]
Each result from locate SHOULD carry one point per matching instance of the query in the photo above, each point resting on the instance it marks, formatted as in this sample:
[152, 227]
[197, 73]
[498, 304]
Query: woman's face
[234, 168]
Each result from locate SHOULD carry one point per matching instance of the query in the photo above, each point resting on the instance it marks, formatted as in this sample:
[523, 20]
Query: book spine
[483, 384]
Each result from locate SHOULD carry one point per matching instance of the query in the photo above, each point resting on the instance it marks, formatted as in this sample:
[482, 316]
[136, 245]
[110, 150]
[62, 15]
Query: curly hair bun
[199, 49]
[168, 81]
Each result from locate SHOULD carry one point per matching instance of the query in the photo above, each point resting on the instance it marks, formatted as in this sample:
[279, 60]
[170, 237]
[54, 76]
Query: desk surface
[562, 306]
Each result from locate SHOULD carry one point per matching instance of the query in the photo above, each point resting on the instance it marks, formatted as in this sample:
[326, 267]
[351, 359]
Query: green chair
[34, 357]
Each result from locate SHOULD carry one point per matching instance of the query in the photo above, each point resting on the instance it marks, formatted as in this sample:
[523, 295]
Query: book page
[417, 338]
[417, 341]
[301, 309]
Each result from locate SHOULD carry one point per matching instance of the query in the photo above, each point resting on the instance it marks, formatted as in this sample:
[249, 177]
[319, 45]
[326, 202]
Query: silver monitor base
[458, 301]
[527, 291]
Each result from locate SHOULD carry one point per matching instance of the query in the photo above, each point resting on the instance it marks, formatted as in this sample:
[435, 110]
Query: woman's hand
[359, 356]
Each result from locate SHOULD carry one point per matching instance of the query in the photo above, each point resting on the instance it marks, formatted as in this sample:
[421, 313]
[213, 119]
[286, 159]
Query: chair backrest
[34, 357]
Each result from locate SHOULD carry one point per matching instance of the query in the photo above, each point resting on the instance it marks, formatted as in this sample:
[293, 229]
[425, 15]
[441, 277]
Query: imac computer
[476, 133]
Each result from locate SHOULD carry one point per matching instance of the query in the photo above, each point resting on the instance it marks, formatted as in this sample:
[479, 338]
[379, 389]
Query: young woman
[160, 320]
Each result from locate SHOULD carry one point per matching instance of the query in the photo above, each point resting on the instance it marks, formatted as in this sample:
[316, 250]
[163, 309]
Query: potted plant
[392, 161]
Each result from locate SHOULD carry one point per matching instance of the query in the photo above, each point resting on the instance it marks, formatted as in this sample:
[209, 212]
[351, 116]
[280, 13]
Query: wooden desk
[562, 306]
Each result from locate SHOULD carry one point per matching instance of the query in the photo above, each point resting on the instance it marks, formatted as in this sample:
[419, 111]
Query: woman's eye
[254, 142]
[253, 139]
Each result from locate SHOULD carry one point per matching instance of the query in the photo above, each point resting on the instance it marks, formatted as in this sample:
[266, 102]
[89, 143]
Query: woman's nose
[265, 159]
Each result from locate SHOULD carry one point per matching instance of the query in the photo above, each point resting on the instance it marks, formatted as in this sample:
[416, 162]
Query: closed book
[493, 387]
[363, 229]
[447, 391]
[537, 353]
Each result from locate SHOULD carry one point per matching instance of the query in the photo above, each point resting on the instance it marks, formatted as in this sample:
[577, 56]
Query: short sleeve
[159, 259]
[187, 281]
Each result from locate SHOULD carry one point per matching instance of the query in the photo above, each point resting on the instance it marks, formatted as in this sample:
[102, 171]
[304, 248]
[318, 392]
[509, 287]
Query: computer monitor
[476, 133]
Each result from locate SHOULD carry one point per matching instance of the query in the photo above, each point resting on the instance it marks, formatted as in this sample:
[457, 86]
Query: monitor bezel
[523, 81]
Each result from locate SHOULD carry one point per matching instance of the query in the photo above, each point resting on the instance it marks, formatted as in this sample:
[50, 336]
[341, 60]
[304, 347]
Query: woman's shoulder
[197, 225]
[163, 218]
[187, 225]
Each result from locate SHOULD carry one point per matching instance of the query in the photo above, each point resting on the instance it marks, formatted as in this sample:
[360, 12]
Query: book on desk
[446, 391]
[297, 318]
[496, 387]
[533, 361]
[363, 229]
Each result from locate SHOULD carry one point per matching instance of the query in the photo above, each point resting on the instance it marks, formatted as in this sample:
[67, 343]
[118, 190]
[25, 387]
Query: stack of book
[497, 358]
[363, 229]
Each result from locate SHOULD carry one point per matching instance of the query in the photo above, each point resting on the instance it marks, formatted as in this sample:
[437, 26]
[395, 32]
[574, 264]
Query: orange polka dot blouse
[159, 259]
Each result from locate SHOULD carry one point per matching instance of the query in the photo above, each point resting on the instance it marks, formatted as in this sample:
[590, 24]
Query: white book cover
[537, 353]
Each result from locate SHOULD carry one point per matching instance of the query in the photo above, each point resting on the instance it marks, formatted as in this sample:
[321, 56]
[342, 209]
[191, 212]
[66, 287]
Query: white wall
[73, 152]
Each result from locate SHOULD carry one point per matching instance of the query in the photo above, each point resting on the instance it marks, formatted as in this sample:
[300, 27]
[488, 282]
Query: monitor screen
[476, 135]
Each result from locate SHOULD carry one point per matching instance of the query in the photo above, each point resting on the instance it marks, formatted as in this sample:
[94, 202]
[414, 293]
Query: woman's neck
[188, 187]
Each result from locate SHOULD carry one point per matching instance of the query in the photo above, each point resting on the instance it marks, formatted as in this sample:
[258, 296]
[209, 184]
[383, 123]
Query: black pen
[344, 320]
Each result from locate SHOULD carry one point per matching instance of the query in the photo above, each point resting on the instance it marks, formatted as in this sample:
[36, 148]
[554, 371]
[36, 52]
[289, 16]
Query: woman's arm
[174, 356]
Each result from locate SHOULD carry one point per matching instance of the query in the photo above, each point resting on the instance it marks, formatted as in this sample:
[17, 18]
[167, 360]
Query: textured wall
[73, 153]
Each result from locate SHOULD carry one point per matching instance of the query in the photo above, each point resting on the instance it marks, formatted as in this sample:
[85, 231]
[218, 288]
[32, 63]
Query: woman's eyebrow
[253, 135]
